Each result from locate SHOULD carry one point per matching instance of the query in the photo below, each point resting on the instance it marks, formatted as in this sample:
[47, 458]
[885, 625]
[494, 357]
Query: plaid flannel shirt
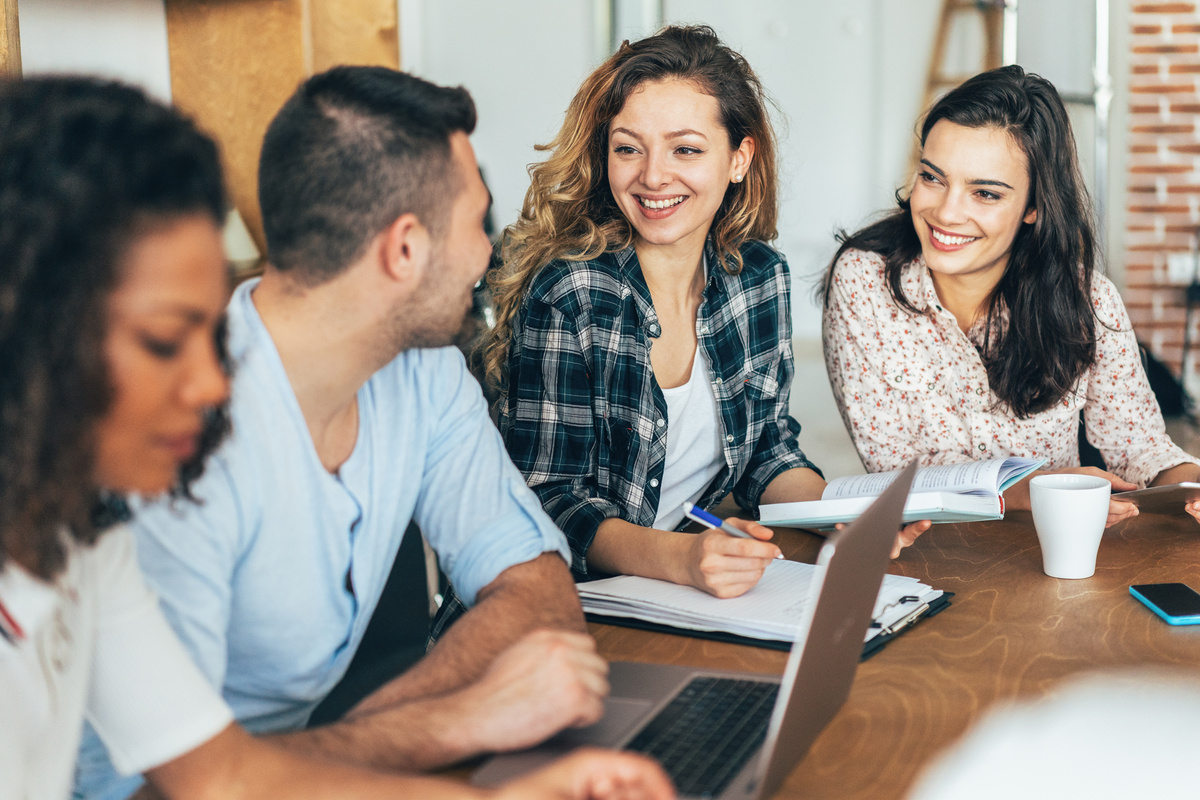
[583, 417]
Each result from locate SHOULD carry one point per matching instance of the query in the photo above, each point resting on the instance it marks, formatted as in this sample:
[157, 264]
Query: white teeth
[952, 239]
[674, 201]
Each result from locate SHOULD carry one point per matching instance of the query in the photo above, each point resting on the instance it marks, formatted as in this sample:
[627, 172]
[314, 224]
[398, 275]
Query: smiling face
[670, 163]
[969, 199]
[161, 355]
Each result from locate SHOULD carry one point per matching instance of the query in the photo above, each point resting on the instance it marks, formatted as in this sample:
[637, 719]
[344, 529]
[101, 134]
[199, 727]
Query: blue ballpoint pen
[712, 521]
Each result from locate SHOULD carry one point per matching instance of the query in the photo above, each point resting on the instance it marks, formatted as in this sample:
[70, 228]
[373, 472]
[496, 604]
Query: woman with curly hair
[971, 323]
[643, 338]
[112, 290]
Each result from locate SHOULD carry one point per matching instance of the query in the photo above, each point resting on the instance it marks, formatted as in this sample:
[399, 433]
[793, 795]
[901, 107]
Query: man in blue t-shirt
[352, 416]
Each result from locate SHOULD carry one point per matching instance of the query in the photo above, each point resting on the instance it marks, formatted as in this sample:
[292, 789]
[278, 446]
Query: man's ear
[406, 248]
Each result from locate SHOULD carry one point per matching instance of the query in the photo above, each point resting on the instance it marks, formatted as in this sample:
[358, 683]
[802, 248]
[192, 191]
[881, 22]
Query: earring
[737, 178]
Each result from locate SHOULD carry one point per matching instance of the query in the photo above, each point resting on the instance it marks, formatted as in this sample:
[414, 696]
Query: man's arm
[476, 692]
[234, 765]
[524, 598]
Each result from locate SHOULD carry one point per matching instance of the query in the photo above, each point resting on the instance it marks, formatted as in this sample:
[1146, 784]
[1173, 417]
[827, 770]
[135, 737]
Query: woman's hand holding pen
[727, 566]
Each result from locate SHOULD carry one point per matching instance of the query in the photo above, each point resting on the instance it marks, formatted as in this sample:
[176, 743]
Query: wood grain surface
[1012, 632]
[10, 40]
[234, 63]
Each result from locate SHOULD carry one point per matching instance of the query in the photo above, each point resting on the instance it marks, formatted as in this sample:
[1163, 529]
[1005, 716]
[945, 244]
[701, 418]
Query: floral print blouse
[911, 385]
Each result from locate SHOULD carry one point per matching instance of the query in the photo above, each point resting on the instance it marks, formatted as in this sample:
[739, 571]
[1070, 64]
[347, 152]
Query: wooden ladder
[991, 14]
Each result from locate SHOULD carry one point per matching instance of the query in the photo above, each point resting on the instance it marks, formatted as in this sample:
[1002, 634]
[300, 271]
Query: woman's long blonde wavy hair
[569, 212]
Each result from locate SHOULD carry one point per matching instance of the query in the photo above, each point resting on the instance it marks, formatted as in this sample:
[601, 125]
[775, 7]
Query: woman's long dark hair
[1034, 361]
[86, 167]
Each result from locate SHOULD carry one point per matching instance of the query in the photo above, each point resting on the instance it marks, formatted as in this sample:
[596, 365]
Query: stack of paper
[774, 609]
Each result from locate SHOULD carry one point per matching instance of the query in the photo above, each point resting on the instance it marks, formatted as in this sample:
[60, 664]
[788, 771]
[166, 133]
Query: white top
[1106, 737]
[695, 451]
[93, 643]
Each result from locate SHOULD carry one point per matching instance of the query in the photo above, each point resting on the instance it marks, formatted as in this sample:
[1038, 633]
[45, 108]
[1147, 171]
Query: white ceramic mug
[1069, 512]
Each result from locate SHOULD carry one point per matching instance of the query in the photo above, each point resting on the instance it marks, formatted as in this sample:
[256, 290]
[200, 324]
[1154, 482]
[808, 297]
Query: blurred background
[849, 78]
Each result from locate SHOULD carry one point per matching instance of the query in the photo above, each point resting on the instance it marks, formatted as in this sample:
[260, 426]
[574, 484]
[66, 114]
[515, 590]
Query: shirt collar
[27, 602]
[917, 285]
[631, 268]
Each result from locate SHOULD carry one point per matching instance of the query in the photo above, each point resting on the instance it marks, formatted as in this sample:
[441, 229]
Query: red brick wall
[1163, 201]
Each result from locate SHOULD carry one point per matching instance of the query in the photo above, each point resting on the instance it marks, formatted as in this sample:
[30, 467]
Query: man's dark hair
[353, 149]
[86, 168]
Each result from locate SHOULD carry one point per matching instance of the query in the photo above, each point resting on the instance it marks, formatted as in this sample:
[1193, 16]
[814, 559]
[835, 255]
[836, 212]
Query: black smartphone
[1177, 603]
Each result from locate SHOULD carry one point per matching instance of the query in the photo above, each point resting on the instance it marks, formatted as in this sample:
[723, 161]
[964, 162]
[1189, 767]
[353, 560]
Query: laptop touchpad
[620, 715]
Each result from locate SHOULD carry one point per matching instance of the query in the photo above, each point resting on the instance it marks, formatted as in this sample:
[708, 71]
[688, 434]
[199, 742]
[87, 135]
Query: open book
[772, 610]
[945, 493]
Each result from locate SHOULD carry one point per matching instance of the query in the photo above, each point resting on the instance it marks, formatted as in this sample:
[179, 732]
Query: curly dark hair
[1050, 340]
[86, 167]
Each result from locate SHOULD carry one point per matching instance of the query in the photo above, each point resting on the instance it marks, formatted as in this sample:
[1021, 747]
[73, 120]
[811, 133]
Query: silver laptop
[722, 734]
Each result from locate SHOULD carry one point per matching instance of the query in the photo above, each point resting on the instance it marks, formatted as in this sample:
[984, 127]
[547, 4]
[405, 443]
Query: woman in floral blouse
[643, 345]
[971, 323]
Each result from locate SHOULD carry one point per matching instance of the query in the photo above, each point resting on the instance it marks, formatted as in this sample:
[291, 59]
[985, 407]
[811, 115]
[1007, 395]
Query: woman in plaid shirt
[643, 345]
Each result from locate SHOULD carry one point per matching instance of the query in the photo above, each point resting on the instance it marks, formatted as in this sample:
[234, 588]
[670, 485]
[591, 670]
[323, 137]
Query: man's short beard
[410, 328]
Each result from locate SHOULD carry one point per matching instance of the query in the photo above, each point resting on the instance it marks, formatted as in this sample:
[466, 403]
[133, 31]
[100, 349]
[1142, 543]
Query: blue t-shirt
[254, 577]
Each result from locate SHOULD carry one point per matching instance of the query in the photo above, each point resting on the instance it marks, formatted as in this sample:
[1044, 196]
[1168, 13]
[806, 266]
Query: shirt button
[982, 446]
[729, 438]
[661, 422]
[654, 483]
[717, 381]
[704, 329]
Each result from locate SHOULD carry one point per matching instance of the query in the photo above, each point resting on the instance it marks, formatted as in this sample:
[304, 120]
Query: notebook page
[773, 609]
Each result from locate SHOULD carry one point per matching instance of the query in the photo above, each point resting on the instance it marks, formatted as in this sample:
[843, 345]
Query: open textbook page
[773, 609]
[968, 492]
[974, 477]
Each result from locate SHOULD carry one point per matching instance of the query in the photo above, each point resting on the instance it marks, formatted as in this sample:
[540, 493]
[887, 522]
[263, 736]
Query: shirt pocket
[619, 453]
[909, 377]
[762, 375]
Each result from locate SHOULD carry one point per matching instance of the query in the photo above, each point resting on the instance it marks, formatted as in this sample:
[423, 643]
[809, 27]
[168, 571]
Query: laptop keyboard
[708, 732]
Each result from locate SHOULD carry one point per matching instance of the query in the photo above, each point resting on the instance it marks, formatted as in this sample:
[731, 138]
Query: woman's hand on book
[1017, 496]
[908, 534]
[726, 566]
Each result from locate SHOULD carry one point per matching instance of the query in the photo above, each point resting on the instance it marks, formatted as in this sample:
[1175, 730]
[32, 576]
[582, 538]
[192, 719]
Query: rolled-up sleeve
[470, 486]
[1123, 418]
[550, 425]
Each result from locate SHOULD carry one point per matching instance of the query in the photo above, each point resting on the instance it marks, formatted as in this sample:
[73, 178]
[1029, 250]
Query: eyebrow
[191, 315]
[975, 182]
[671, 135]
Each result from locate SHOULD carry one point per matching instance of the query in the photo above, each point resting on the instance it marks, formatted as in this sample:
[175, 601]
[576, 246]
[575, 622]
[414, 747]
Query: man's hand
[593, 775]
[547, 681]
[726, 566]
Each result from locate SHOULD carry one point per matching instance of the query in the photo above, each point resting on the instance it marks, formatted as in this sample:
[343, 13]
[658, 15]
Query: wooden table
[1011, 632]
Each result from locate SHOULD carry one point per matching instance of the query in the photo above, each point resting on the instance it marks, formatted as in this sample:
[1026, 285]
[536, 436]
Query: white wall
[123, 39]
[522, 61]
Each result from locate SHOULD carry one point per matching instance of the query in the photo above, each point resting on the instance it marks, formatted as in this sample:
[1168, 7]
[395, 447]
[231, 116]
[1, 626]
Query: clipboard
[870, 648]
